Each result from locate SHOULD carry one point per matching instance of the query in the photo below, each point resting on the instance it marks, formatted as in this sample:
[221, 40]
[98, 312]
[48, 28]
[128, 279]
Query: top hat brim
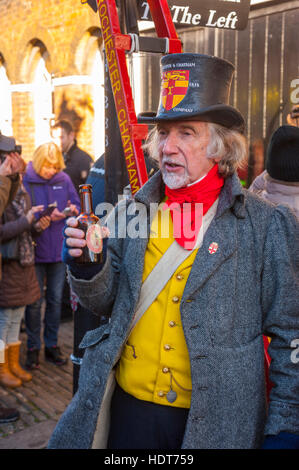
[224, 115]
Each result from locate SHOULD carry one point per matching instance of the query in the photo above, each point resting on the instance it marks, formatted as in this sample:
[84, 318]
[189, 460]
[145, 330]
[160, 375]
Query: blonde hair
[50, 152]
[228, 144]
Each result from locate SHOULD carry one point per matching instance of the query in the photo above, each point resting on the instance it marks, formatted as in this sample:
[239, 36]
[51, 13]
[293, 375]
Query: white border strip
[72, 80]
[59, 81]
[21, 88]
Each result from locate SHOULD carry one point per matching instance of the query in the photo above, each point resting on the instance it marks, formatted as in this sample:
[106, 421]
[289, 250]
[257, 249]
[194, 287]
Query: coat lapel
[134, 265]
[223, 232]
[151, 192]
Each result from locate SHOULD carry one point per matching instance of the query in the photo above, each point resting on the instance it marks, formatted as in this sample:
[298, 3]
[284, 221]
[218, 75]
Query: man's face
[183, 152]
[63, 139]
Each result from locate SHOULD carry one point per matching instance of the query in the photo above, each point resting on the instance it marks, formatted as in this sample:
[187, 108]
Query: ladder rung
[148, 44]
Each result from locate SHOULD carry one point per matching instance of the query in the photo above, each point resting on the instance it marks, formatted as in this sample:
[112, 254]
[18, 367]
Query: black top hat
[282, 162]
[196, 87]
[7, 144]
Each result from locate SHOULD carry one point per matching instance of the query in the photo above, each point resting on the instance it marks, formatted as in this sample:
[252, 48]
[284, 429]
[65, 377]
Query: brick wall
[66, 33]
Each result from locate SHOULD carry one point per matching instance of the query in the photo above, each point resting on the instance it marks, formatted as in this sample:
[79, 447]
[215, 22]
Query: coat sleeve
[5, 185]
[8, 190]
[98, 294]
[13, 228]
[280, 303]
[258, 185]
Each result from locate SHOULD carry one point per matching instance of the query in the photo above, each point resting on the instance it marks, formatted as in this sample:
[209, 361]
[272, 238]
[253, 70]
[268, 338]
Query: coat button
[89, 404]
[119, 331]
[175, 299]
[107, 358]
[285, 412]
[98, 381]
[167, 347]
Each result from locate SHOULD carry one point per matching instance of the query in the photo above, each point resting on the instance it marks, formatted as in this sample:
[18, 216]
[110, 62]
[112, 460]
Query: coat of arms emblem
[174, 87]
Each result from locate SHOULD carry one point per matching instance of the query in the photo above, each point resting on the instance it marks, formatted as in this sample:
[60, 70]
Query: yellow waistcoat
[155, 358]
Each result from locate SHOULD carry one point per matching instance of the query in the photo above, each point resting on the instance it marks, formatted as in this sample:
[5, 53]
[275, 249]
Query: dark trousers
[138, 424]
[52, 276]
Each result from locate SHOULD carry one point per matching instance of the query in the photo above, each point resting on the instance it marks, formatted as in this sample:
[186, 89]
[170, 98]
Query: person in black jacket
[77, 161]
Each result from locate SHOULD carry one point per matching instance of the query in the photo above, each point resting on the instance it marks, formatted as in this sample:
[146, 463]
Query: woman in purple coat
[47, 184]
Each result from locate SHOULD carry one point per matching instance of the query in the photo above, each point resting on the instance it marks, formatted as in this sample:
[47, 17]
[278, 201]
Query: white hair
[227, 144]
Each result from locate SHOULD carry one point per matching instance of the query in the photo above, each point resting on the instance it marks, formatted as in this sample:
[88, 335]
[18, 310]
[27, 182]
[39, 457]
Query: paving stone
[40, 401]
[35, 436]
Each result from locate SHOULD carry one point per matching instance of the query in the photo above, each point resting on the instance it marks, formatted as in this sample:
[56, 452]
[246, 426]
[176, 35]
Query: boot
[6, 377]
[32, 359]
[14, 364]
[8, 415]
[54, 355]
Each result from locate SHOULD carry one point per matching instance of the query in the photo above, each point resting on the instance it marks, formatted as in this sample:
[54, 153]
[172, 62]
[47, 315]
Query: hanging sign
[224, 14]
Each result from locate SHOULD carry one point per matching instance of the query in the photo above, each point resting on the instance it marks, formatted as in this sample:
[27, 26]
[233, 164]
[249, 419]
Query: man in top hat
[195, 272]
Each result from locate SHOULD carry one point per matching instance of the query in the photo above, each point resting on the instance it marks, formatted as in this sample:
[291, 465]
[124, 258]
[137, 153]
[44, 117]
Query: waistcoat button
[167, 347]
[171, 323]
[175, 299]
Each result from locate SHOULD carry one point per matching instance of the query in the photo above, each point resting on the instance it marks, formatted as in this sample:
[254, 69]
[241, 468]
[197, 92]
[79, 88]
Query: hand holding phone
[48, 210]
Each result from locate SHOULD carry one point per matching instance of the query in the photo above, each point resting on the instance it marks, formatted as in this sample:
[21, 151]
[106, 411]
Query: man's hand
[33, 210]
[12, 165]
[42, 223]
[57, 215]
[75, 238]
[17, 163]
[5, 168]
[70, 210]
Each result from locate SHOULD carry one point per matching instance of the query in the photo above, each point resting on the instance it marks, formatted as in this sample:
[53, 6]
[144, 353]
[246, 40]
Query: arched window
[5, 102]
[97, 77]
[42, 95]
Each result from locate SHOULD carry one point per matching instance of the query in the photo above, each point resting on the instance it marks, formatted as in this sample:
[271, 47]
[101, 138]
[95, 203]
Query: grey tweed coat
[248, 288]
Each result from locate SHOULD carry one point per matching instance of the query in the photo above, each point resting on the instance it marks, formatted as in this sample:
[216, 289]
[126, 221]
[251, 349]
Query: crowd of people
[183, 348]
[36, 199]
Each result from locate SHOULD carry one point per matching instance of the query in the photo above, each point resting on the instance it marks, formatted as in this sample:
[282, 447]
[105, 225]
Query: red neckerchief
[187, 218]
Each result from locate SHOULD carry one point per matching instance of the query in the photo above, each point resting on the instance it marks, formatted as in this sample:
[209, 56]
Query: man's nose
[170, 144]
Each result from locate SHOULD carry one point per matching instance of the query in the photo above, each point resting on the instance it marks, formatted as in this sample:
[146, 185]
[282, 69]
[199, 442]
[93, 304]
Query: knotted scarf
[189, 204]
